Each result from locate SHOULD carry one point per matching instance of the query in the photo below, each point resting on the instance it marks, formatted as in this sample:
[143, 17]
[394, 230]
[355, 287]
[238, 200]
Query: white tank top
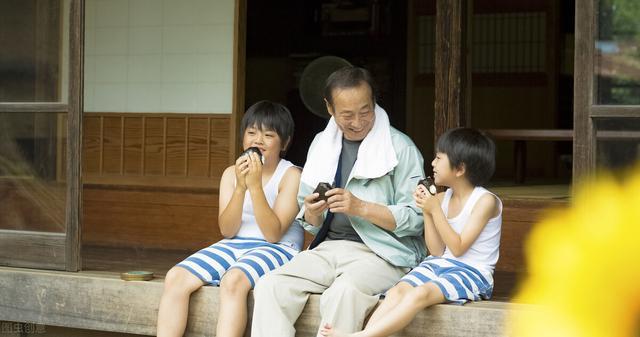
[484, 252]
[294, 237]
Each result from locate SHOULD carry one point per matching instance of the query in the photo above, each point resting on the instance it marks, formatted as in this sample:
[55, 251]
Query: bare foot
[329, 331]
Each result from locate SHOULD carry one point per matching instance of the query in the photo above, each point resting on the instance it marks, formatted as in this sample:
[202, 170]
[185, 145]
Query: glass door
[607, 91]
[39, 133]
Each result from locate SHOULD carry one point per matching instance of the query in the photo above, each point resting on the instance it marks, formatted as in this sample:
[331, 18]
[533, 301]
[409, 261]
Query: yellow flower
[584, 266]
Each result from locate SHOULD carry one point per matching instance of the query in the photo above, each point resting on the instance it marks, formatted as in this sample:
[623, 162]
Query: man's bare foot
[329, 331]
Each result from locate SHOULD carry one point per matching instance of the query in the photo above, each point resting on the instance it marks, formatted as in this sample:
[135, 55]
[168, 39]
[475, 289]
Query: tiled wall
[159, 56]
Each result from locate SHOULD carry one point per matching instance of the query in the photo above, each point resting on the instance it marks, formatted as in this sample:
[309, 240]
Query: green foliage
[619, 19]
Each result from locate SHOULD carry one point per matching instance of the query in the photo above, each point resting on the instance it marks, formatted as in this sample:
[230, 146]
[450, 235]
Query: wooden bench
[101, 301]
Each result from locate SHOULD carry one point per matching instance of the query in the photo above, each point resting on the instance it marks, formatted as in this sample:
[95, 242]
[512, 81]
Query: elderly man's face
[353, 110]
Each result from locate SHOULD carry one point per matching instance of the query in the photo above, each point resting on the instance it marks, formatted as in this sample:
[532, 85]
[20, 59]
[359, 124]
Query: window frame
[586, 110]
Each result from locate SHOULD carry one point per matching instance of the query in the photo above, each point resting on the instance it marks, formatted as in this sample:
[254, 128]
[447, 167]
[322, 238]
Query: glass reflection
[34, 37]
[618, 142]
[32, 172]
[617, 63]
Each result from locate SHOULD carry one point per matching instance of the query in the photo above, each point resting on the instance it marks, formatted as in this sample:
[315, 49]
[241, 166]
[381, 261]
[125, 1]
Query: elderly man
[367, 231]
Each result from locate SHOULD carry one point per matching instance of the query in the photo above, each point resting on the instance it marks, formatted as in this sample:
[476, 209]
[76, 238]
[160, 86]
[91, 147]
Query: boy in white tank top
[258, 204]
[462, 232]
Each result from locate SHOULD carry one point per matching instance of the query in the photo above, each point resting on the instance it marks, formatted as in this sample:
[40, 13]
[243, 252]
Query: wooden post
[584, 143]
[411, 66]
[74, 139]
[452, 67]
[239, 62]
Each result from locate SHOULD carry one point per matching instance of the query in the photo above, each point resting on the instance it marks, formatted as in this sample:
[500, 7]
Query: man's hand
[314, 207]
[342, 201]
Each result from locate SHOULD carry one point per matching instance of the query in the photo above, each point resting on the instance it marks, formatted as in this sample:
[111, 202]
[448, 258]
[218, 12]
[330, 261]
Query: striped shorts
[254, 257]
[458, 281]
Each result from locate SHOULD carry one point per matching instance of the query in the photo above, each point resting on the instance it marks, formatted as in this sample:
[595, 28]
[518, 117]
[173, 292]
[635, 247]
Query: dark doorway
[285, 36]
[522, 87]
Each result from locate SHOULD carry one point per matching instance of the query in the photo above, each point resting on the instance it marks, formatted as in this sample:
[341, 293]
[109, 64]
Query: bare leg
[174, 304]
[232, 316]
[392, 298]
[412, 302]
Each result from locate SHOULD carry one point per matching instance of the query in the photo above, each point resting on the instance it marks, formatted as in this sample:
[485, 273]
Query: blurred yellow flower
[584, 266]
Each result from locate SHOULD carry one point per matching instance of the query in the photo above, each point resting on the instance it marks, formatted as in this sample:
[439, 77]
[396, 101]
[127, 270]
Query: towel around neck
[376, 155]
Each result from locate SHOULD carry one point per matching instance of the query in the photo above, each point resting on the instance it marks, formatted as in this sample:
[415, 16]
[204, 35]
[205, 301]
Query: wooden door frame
[586, 109]
[74, 135]
[56, 250]
[584, 132]
[239, 83]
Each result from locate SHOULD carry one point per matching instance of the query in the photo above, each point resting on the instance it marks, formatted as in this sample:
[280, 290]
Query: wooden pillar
[239, 66]
[74, 134]
[584, 143]
[452, 67]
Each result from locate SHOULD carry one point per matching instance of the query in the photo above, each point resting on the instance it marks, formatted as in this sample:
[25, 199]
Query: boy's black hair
[471, 148]
[267, 115]
[349, 77]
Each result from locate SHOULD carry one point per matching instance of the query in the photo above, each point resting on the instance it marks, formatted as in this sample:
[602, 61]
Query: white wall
[159, 56]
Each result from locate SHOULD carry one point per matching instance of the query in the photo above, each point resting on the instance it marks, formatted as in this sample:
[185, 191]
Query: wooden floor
[118, 260]
[535, 192]
[111, 259]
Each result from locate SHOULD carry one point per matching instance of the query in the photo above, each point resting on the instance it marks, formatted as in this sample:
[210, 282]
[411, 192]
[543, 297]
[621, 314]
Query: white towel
[376, 155]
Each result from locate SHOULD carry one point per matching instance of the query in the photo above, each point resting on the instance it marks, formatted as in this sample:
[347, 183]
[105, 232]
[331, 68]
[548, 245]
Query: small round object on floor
[137, 275]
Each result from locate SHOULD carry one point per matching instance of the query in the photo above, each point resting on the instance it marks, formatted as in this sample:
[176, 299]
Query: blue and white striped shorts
[254, 257]
[459, 282]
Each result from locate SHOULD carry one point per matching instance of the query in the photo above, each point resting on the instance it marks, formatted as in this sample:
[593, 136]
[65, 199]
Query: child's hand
[241, 170]
[424, 200]
[254, 173]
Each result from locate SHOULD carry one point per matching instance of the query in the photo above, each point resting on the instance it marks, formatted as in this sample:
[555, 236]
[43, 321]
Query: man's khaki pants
[347, 274]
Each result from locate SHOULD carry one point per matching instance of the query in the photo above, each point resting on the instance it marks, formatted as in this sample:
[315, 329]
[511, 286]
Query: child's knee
[398, 291]
[180, 280]
[425, 294]
[235, 282]
[173, 278]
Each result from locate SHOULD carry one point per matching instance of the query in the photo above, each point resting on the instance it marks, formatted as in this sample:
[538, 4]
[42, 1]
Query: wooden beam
[411, 66]
[552, 54]
[452, 73]
[50, 107]
[531, 134]
[617, 135]
[584, 145]
[615, 111]
[239, 67]
[36, 249]
[74, 135]
[155, 182]
[100, 301]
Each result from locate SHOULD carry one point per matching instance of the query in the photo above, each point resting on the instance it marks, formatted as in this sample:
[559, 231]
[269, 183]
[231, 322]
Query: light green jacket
[404, 246]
